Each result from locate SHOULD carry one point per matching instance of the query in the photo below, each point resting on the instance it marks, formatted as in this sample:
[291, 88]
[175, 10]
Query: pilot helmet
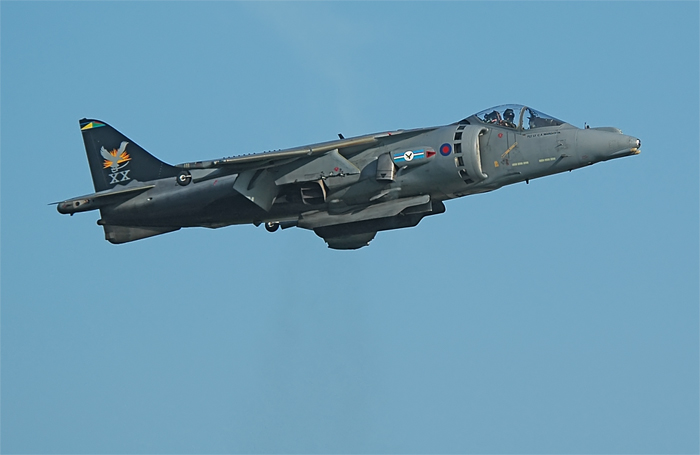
[509, 115]
[492, 117]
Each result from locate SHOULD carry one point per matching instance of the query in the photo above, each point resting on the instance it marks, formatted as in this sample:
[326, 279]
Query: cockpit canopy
[514, 116]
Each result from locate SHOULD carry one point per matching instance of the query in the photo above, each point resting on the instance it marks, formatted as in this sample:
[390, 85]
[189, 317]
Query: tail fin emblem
[114, 160]
[91, 125]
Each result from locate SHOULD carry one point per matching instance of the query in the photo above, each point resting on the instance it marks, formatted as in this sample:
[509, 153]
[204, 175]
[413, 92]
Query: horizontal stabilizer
[96, 200]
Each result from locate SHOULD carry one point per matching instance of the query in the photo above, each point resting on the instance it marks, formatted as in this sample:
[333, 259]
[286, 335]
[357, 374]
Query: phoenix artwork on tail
[115, 157]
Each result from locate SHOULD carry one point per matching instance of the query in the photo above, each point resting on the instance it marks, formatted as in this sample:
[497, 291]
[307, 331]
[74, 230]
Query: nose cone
[624, 146]
[606, 143]
[638, 145]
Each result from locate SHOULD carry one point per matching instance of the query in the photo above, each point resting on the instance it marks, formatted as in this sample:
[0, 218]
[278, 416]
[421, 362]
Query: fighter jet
[344, 190]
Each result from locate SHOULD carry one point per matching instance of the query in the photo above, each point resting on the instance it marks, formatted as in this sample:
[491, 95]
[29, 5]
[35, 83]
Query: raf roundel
[445, 149]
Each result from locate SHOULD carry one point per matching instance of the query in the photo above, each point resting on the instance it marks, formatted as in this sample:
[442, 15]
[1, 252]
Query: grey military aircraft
[344, 190]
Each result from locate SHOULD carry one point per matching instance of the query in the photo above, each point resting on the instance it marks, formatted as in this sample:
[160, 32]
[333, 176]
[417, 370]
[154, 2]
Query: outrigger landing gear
[184, 178]
[272, 226]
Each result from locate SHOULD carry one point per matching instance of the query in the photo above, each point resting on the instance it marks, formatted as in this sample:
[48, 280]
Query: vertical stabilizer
[117, 160]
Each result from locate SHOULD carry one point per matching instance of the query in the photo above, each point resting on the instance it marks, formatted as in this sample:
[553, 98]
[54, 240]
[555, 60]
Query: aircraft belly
[316, 219]
[169, 204]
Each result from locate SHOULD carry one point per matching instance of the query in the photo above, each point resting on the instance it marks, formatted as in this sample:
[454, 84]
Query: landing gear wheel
[184, 178]
[272, 226]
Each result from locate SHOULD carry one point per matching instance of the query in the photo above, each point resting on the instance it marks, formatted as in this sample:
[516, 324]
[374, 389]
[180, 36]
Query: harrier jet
[344, 190]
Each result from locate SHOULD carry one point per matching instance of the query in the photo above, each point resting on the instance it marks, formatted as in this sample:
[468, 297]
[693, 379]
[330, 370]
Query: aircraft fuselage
[344, 190]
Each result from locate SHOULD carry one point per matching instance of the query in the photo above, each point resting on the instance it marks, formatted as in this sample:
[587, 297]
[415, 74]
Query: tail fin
[116, 160]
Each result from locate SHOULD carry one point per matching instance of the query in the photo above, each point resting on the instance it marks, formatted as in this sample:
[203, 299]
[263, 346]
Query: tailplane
[117, 160]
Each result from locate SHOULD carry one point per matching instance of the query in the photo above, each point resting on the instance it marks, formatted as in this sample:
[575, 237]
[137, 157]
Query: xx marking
[120, 176]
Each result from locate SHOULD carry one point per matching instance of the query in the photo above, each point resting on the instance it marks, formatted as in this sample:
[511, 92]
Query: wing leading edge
[269, 159]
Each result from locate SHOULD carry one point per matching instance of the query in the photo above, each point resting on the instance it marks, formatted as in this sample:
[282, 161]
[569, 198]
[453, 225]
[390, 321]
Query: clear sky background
[555, 317]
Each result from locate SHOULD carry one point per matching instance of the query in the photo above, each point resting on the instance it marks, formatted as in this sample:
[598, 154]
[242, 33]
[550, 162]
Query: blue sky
[555, 317]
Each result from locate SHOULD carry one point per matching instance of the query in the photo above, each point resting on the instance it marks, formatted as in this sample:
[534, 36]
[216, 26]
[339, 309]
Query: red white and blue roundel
[445, 149]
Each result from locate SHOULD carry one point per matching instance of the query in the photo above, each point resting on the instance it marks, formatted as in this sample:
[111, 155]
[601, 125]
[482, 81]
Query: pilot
[508, 118]
[493, 117]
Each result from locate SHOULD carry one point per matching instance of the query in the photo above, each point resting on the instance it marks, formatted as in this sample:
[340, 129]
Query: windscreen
[515, 116]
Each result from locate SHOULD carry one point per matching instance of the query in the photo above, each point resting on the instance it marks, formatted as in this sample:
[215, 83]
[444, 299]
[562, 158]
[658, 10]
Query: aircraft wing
[279, 157]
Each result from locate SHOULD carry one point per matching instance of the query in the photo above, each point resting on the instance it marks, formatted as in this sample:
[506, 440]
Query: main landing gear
[272, 226]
